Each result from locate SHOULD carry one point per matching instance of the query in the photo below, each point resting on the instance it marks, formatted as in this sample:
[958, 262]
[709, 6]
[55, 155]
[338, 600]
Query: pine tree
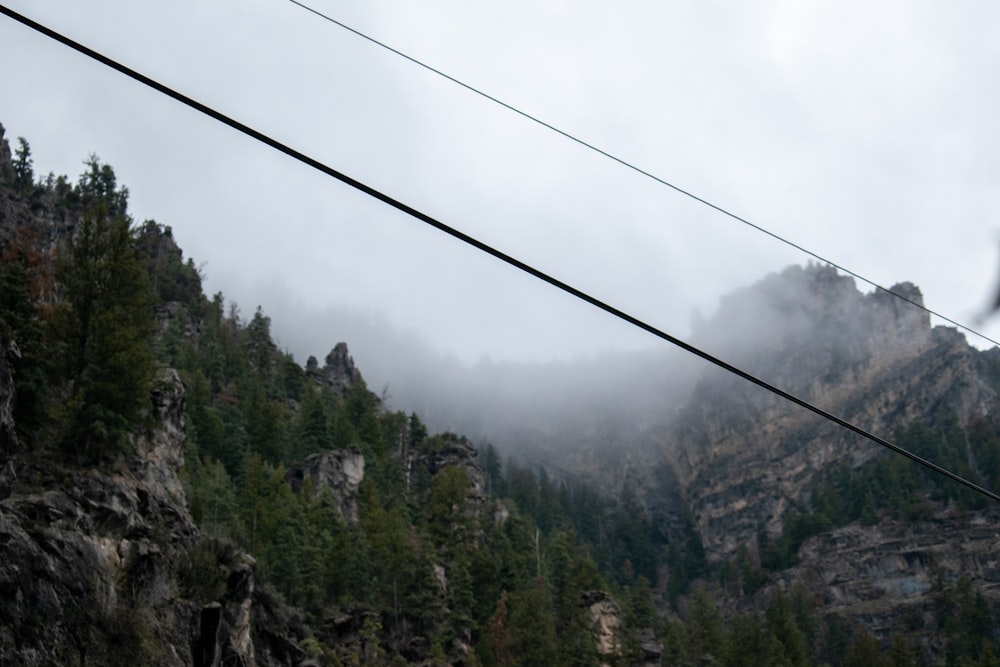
[706, 642]
[782, 625]
[532, 626]
[105, 327]
[19, 324]
[23, 174]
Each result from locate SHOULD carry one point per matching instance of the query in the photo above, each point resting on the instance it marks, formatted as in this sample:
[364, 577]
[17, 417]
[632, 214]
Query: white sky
[866, 132]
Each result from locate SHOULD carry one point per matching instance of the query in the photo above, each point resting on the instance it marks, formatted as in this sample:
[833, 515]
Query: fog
[527, 408]
[869, 142]
[798, 328]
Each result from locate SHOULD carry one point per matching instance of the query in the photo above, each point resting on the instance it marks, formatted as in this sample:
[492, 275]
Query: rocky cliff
[889, 575]
[338, 471]
[105, 566]
[739, 462]
[742, 457]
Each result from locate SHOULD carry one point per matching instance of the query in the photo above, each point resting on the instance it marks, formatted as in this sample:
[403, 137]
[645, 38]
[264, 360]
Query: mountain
[778, 498]
[742, 457]
[176, 489]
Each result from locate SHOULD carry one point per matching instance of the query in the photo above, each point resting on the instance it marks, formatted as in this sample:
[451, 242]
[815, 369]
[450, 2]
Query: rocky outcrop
[88, 556]
[339, 372]
[8, 436]
[36, 214]
[451, 450]
[606, 620]
[889, 575]
[739, 457]
[339, 471]
[105, 566]
[605, 617]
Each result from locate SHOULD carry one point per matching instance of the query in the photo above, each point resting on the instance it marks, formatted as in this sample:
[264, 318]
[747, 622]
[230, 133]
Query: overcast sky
[865, 132]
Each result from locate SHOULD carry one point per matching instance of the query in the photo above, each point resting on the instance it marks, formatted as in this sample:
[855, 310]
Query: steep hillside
[780, 498]
[176, 490]
[743, 457]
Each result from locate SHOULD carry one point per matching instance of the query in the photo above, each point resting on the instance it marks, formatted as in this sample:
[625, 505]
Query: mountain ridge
[649, 477]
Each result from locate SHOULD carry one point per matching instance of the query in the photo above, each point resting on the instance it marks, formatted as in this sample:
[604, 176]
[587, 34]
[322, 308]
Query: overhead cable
[479, 245]
[643, 172]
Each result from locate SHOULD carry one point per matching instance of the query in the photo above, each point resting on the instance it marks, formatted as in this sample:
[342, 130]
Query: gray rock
[339, 471]
[339, 372]
[8, 436]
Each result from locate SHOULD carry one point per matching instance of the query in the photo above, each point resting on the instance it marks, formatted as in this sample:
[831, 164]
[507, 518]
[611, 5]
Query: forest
[456, 555]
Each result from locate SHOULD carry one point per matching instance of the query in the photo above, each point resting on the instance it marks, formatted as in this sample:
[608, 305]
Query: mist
[798, 329]
[533, 410]
[805, 329]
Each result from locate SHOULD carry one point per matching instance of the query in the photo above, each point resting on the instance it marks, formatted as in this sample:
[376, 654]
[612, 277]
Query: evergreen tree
[19, 323]
[706, 641]
[781, 623]
[23, 174]
[312, 434]
[864, 652]
[105, 327]
[532, 626]
[750, 643]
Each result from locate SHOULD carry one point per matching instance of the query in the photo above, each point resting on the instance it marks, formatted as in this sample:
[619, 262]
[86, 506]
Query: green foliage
[794, 649]
[447, 522]
[426, 557]
[202, 578]
[686, 561]
[170, 278]
[20, 323]
[797, 528]
[98, 189]
[531, 627]
[103, 326]
[892, 485]
[967, 622]
[312, 433]
[704, 629]
[23, 174]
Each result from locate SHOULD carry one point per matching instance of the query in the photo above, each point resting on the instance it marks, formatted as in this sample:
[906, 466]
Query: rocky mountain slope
[100, 566]
[176, 490]
[689, 487]
[742, 457]
[747, 469]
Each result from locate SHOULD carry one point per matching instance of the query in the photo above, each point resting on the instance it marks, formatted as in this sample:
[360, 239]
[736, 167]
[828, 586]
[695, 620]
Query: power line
[641, 171]
[479, 245]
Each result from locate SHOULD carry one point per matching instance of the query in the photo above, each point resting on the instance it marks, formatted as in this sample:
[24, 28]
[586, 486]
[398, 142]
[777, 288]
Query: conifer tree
[20, 325]
[532, 626]
[104, 323]
[23, 174]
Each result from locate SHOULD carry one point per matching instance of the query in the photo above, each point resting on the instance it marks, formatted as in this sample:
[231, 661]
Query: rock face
[37, 215]
[739, 457]
[96, 564]
[737, 460]
[339, 471]
[887, 573]
[339, 371]
[8, 436]
[606, 620]
[76, 545]
[457, 452]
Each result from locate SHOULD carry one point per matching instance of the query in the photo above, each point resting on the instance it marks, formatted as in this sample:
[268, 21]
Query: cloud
[863, 133]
